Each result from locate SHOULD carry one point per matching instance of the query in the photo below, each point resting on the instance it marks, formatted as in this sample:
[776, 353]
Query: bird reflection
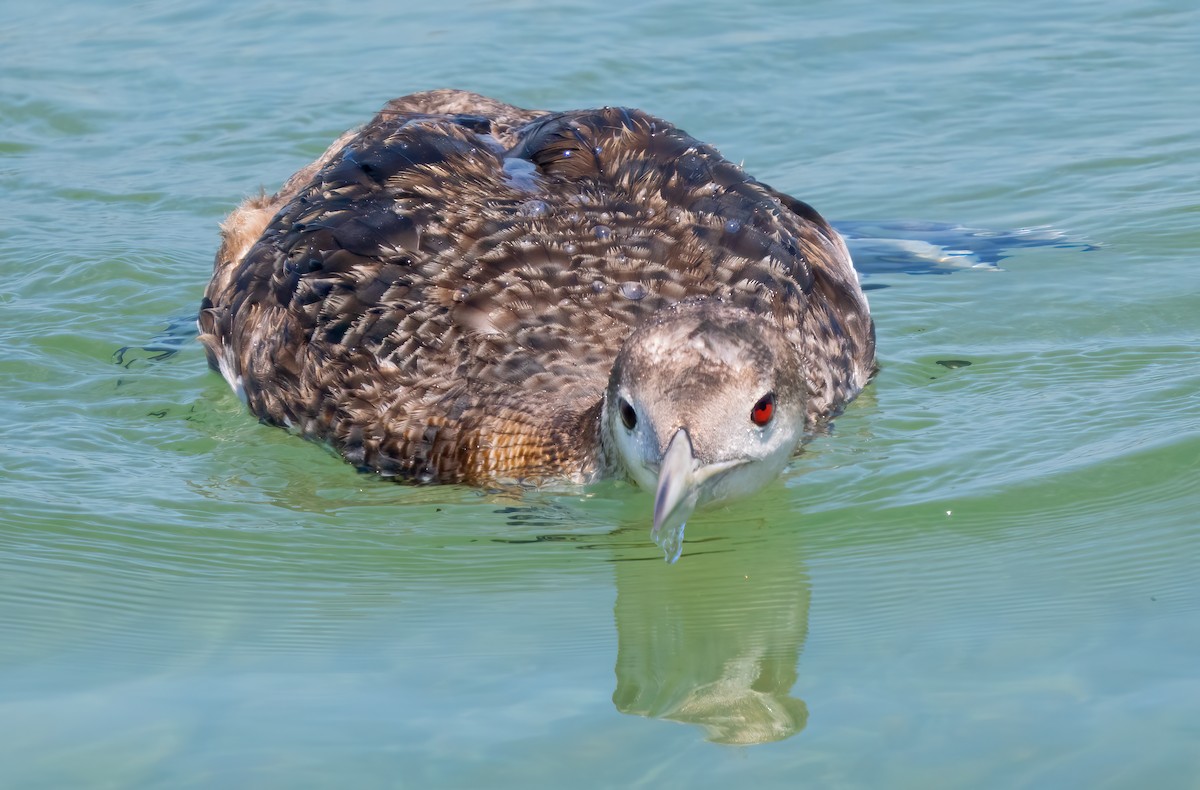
[715, 640]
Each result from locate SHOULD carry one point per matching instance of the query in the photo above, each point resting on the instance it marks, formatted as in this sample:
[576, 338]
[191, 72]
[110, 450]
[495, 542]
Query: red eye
[764, 410]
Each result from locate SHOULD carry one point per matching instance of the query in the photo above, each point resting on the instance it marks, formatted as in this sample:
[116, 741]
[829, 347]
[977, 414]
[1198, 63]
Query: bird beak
[676, 494]
[681, 481]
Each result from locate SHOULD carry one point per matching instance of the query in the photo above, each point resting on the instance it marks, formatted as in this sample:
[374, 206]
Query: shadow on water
[175, 336]
[715, 640]
[922, 248]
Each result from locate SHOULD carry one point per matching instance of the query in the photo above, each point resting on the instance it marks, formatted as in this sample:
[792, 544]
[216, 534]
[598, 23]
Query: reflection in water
[715, 639]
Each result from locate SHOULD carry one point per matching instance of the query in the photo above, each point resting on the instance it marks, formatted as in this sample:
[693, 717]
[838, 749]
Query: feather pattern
[443, 293]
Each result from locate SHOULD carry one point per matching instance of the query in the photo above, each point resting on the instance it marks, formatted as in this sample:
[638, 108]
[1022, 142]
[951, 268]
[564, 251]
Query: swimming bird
[464, 291]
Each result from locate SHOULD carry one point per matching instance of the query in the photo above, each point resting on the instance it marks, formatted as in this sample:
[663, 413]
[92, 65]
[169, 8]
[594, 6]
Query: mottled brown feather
[442, 294]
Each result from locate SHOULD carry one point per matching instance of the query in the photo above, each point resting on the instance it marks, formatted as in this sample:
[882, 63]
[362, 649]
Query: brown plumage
[443, 293]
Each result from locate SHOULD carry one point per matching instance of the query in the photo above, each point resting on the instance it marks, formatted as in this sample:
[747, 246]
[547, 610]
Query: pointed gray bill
[675, 497]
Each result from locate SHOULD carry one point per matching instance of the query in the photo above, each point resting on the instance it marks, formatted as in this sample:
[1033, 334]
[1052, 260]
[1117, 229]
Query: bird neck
[585, 442]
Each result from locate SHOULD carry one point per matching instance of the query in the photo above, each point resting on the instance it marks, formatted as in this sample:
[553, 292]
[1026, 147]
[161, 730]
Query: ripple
[982, 567]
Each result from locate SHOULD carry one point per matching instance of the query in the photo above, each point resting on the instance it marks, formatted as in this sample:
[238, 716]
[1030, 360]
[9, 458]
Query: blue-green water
[988, 576]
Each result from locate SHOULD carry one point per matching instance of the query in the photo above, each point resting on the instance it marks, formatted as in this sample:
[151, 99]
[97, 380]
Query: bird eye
[628, 415]
[764, 410]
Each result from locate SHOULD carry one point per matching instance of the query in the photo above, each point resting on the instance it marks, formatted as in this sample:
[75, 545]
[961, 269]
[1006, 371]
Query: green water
[986, 577]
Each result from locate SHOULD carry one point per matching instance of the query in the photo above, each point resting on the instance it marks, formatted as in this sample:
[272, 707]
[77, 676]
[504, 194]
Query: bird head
[706, 402]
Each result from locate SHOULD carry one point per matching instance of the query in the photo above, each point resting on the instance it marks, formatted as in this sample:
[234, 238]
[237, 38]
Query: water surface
[985, 576]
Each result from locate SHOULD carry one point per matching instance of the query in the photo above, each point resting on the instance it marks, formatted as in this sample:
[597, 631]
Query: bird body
[446, 294]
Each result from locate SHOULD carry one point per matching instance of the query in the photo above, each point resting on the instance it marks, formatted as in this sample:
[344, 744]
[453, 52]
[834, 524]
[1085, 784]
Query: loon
[464, 291]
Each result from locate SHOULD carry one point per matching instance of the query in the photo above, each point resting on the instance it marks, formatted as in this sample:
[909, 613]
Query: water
[987, 576]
